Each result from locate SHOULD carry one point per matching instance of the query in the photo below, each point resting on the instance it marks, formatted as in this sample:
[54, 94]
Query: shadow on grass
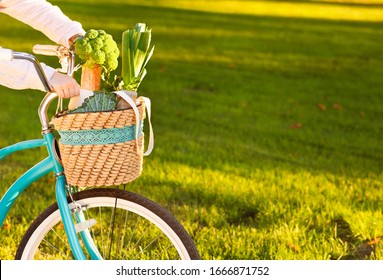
[357, 250]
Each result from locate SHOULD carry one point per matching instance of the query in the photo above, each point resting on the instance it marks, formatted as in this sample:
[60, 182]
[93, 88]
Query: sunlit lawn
[267, 117]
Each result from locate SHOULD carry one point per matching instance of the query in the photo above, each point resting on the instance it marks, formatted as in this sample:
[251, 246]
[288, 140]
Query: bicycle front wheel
[128, 226]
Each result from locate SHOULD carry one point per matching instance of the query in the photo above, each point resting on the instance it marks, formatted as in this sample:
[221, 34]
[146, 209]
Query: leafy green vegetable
[136, 52]
[99, 101]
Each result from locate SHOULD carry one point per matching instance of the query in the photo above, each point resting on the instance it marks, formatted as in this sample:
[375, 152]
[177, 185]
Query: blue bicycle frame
[49, 164]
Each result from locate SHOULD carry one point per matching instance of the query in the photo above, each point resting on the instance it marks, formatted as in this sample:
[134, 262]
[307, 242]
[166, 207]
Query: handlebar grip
[6, 54]
[50, 50]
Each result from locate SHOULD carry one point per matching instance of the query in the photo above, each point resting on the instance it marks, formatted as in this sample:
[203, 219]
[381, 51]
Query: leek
[136, 52]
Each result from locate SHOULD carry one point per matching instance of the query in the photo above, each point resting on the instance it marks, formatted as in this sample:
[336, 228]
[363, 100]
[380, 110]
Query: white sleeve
[21, 74]
[44, 17]
[50, 20]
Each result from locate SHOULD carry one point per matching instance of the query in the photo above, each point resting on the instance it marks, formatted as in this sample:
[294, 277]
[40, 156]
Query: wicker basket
[101, 148]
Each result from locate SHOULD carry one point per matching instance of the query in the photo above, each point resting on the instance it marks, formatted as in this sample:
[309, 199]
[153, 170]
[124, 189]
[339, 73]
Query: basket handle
[132, 103]
[151, 134]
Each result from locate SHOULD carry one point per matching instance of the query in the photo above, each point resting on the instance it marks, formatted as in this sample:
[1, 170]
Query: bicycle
[99, 223]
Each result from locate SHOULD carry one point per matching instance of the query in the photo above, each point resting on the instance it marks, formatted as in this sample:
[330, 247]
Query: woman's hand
[64, 85]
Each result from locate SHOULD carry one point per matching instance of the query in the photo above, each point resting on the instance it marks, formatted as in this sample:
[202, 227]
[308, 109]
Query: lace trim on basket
[99, 136]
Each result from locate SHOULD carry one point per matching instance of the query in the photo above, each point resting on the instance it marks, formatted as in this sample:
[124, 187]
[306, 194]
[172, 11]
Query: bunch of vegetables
[99, 54]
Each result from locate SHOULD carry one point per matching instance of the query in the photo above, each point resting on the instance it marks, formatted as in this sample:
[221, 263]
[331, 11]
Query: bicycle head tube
[43, 111]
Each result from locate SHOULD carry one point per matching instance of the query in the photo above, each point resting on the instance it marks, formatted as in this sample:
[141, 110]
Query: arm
[63, 85]
[21, 74]
[49, 19]
[44, 17]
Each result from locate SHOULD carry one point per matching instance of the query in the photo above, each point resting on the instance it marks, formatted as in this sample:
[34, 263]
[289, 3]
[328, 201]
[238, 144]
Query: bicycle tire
[166, 239]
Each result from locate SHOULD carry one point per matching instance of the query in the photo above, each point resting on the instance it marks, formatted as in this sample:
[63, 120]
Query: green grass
[267, 117]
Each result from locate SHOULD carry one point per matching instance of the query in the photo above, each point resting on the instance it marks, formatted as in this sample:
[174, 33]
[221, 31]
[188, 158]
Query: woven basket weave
[105, 164]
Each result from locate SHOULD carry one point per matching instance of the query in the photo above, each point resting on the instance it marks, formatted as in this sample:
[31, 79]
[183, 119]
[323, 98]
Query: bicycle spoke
[132, 235]
[113, 225]
[124, 231]
[49, 244]
[58, 236]
[139, 240]
[147, 246]
[161, 253]
[102, 236]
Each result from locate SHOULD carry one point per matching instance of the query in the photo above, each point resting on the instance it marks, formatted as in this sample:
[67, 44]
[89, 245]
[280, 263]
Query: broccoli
[97, 47]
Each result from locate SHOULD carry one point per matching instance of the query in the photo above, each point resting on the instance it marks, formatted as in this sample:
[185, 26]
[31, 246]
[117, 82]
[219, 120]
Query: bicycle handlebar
[50, 50]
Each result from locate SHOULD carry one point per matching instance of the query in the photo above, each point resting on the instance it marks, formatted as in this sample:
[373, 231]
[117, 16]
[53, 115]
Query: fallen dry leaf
[293, 247]
[296, 125]
[337, 106]
[321, 107]
[374, 241]
[51, 180]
